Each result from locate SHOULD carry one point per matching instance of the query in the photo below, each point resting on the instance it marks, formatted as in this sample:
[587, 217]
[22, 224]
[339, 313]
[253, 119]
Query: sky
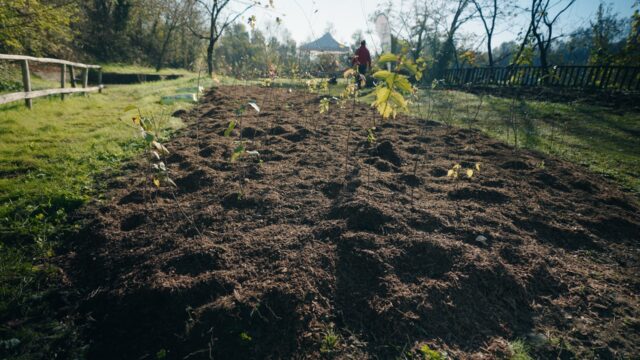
[307, 19]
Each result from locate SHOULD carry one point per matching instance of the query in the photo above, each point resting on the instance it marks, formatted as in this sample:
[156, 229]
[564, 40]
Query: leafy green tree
[244, 54]
[605, 30]
[37, 27]
[107, 27]
[216, 20]
[631, 52]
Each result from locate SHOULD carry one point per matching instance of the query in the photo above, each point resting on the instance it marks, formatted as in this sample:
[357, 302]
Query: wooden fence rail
[586, 77]
[29, 94]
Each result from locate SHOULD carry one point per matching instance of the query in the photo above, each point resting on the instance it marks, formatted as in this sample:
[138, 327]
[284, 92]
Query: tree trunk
[210, 57]
[489, 51]
[449, 48]
[163, 50]
[212, 41]
[544, 64]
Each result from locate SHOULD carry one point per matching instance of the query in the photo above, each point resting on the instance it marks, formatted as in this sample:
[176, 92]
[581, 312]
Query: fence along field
[28, 94]
[584, 77]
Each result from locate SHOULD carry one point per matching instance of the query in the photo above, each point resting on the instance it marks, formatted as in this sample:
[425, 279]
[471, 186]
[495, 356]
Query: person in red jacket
[362, 58]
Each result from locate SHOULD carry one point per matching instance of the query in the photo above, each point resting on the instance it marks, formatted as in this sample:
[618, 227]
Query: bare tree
[419, 30]
[489, 22]
[448, 50]
[418, 25]
[523, 45]
[541, 28]
[544, 37]
[218, 19]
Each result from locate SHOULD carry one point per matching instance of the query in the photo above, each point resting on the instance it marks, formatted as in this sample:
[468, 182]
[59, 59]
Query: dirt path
[274, 269]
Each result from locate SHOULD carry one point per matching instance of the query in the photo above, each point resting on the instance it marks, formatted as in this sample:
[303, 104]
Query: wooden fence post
[585, 77]
[576, 76]
[631, 78]
[100, 80]
[26, 81]
[73, 76]
[596, 74]
[63, 78]
[605, 77]
[85, 79]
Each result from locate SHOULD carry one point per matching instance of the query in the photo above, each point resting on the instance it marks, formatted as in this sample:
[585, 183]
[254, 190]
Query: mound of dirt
[270, 256]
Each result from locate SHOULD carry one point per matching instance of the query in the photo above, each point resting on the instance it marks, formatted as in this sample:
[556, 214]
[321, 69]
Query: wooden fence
[585, 77]
[29, 94]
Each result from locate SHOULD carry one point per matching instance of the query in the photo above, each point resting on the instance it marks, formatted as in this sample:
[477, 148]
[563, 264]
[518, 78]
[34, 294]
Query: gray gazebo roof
[325, 44]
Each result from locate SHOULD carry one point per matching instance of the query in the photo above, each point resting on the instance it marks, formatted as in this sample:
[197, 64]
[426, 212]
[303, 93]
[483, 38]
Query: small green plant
[240, 149]
[430, 354]
[371, 136]
[457, 171]
[559, 343]
[324, 105]
[245, 337]
[519, 350]
[329, 342]
[350, 94]
[150, 129]
[161, 354]
[393, 86]
[313, 85]
[323, 85]
[294, 72]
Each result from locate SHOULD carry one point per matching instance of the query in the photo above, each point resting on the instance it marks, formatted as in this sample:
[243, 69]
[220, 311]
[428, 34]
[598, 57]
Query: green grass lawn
[11, 75]
[11, 79]
[49, 159]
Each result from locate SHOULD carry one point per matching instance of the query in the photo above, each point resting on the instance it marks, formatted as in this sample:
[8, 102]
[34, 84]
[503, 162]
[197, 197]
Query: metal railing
[587, 77]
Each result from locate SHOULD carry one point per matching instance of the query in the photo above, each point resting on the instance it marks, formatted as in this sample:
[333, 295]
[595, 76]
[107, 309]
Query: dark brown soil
[263, 259]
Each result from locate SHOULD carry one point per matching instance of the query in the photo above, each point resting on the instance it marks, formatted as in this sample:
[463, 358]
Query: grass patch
[11, 78]
[139, 69]
[49, 159]
[519, 350]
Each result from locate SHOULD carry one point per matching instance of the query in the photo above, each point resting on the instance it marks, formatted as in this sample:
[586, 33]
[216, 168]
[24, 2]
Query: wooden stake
[85, 79]
[63, 78]
[26, 81]
[73, 76]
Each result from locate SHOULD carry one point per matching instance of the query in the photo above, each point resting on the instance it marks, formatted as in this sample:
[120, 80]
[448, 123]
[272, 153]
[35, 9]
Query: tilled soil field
[295, 255]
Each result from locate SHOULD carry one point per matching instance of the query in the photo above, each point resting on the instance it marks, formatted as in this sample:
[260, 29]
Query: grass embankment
[49, 159]
[47, 76]
[11, 79]
[137, 69]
